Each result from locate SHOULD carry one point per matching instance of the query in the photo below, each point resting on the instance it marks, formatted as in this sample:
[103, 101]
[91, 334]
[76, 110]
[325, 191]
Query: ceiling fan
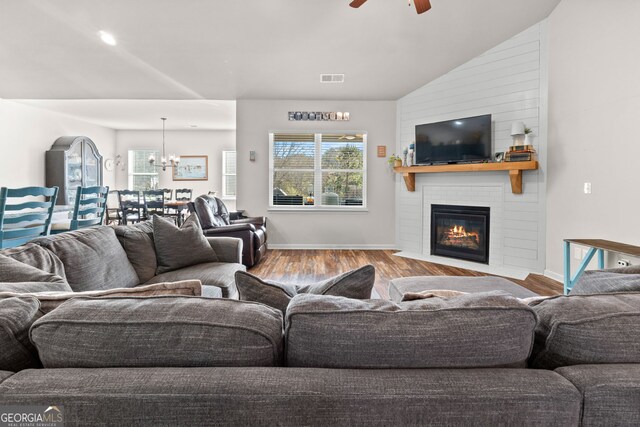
[421, 5]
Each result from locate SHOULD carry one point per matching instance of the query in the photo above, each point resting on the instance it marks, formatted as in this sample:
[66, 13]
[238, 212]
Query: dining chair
[153, 202]
[184, 194]
[113, 214]
[88, 210]
[25, 220]
[131, 207]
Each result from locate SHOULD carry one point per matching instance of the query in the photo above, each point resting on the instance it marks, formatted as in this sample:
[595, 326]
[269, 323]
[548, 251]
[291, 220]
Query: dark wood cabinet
[72, 161]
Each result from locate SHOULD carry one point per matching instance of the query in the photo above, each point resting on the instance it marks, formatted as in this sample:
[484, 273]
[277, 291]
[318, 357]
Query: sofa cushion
[587, 329]
[610, 393]
[137, 241]
[301, 396]
[215, 276]
[33, 287]
[356, 283]
[4, 375]
[172, 242]
[16, 317]
[93, 259]
[469, 331]
[51, 300]
[38, 257]
[158, 332]
[13, 271]
[626, 279]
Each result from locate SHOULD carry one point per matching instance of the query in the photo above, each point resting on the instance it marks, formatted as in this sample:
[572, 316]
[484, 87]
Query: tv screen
[454, 141]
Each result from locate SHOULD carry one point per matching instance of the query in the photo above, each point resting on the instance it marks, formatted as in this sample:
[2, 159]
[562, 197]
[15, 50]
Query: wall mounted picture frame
[192, 168]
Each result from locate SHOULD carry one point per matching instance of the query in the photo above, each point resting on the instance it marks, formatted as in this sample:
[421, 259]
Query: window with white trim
[318, 170]
[142, 175]
[228, 174]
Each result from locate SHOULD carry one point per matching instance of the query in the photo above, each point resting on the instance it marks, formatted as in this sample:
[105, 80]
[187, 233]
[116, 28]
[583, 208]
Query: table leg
[600, 259]
[567, 267]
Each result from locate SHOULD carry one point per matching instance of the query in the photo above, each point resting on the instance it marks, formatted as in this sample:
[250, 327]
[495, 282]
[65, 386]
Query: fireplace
[460, 232]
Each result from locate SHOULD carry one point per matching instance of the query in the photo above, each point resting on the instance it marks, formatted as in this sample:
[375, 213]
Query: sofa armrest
[258, 221]
[228, 249]
[226, 229]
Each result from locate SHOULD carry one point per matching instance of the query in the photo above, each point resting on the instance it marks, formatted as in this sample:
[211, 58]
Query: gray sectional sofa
[100, 258]
[477, 359]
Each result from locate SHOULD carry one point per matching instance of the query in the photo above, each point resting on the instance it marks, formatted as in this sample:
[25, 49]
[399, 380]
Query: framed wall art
[192, 168]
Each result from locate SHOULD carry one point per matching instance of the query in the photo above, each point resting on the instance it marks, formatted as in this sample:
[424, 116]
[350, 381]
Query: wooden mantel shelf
[515, 171]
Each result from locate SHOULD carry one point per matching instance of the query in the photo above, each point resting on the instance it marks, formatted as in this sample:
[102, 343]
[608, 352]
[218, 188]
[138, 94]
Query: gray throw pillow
[137, 241]
[180, 247]
[16, 317]
[626, 279]
[38, 257]
[356, 284]
[13, 271]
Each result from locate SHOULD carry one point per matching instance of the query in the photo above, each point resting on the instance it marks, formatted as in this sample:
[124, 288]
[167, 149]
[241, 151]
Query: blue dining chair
[22, 221]
[88, 210]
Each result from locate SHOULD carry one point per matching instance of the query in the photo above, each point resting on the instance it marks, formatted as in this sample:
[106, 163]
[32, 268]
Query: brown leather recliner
[215, 221]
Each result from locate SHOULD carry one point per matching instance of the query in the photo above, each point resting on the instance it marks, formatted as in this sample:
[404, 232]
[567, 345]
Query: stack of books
[520, 153]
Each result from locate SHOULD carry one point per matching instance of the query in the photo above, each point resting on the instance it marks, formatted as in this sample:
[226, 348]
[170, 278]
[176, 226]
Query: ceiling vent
[331, 78]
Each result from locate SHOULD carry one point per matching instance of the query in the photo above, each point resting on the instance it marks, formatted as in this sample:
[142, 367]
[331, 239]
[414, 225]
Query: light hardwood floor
[307, 266]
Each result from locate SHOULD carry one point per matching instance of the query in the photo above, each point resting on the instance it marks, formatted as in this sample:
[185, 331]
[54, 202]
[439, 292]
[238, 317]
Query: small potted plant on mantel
[394, 161]
[528, 136]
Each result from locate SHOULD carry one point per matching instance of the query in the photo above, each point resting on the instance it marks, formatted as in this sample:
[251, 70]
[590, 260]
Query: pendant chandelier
[173, 160]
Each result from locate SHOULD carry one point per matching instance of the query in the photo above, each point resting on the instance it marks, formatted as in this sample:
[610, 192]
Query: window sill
[316, 209]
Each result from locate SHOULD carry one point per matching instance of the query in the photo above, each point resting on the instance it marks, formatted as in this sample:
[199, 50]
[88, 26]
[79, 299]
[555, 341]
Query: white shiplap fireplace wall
[509, 82]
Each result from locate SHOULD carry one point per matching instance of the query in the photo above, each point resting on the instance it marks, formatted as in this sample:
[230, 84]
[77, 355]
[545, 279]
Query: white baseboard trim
[514, 273]
[312, 246]
[553, 275]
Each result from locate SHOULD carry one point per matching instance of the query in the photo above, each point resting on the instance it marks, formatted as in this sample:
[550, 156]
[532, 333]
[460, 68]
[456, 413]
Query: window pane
[230, 162]
[342, 155]
[342, 188]
[293, 154]
[140, 161]
[293, 188]
[144, 182]
[230, 185]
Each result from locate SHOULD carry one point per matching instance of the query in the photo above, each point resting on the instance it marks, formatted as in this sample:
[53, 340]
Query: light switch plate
[252, 156]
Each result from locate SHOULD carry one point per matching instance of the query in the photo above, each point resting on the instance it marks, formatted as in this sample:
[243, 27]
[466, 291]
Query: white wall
[190, 142]
[594, 108]
[26, 133]
[372, 229]
[509, 82]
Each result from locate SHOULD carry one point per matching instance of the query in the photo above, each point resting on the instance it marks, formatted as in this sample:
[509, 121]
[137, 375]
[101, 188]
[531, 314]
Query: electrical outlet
[624, 263]
[587, 188]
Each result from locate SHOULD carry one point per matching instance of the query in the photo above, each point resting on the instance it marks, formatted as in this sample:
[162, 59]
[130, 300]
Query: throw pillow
[356, 284]
[626, 279]
[13, 271]
[49, 301]
[38, 257]
[93, 259]
[180, 247]
[34, 287]
[16, 317]
[434, 293]
[137, 241]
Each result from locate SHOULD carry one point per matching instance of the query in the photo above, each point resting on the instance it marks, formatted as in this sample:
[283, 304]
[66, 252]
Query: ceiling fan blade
[357, 3]
[422, 5]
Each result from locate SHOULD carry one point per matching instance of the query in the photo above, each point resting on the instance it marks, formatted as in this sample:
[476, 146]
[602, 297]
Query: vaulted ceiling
[244, 49]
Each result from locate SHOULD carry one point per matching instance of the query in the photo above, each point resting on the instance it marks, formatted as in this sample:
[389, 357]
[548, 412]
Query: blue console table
[595, 246]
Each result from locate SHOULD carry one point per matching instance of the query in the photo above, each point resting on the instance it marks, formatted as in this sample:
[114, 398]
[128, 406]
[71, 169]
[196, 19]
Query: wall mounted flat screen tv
[465, 140]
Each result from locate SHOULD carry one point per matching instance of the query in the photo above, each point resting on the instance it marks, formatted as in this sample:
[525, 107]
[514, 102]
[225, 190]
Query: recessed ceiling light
[192, 126]
[458, 123]
[107, 38]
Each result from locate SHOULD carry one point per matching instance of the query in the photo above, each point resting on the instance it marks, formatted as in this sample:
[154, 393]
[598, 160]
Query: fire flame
[459, 231]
